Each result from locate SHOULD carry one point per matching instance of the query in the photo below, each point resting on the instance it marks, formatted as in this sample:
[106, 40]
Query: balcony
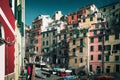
[32, 52]
[73, 55]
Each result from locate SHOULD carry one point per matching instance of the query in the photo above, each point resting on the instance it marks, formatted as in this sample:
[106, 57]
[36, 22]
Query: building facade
[48, 42]
[111, 14]
[112, 53]
[11, 37]
[95, 46]
[7, 27]
[43, 21]
[57, 15]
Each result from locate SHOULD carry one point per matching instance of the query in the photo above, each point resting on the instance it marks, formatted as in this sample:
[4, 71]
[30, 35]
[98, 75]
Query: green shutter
[22, 28]
[19, 15]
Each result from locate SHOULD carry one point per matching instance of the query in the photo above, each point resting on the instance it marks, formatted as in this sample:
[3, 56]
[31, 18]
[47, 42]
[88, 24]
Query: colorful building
[11, 31]
[48, 42]
[7, 31]
[112, 53]
[96, 34]
[78, 49]
[111, 14]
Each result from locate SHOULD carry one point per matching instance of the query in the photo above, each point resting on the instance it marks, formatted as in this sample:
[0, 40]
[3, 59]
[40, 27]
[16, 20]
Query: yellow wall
[111, 61]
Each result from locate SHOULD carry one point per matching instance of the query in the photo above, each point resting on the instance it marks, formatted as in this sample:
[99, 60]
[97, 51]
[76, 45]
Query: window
[81, 60]
[65, 36]
[75, 60]
[108, 69]
[106, 37]
[71, 34]
[92, 40]
[77, 35]
[74, 42]
[36, 41]
[81, 42]
[84, 20]
[47, 34]
[107, 47]
[98, 70]
[90, 67]
[53, 33]
[117, 66]
[99, 57]
[91, 57]
[96, 25]
[100, 39]
[113, 13]
[81, 49]
[46, 42]
[43, 43]
[74, 50]
[91, 48]
[116, 47]
[100, 47]
[107, 58]
[75, 25]
[95, 32]
[104, 9]
[59, 37]
[116, 36]
[84, 34]
[53, 41]
[91, 18]
[72, 17]
[116, 58]
[43, 35]
[101, 31]
[113, 6]
[79, 16]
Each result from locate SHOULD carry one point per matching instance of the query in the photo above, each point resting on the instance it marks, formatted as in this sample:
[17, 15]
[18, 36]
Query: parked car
[63, 74]
[39, 74]
[60, 79]
[72, 77]
[104, 78]
[46, 74]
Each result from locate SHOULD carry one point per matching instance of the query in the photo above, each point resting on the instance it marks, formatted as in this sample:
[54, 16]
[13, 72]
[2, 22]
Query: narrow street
[53, 77]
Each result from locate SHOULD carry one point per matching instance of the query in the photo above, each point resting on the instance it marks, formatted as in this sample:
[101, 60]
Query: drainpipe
[88, 55]
[103, 50]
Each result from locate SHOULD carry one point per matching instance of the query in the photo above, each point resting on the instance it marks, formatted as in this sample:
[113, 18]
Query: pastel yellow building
[78, 49]
[112, 53]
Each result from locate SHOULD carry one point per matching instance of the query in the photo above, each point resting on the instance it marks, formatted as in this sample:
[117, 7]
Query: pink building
[95, 46]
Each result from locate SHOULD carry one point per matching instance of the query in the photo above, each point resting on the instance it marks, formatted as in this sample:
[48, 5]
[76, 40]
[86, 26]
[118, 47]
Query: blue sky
[33, 8]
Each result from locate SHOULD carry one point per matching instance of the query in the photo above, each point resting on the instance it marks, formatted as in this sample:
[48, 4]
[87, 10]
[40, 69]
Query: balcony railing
[73, 54]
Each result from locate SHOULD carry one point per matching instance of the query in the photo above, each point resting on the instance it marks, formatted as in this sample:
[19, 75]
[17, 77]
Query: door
[117, 68]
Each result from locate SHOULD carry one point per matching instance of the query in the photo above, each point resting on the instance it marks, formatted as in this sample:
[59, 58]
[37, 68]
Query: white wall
[2, 57]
